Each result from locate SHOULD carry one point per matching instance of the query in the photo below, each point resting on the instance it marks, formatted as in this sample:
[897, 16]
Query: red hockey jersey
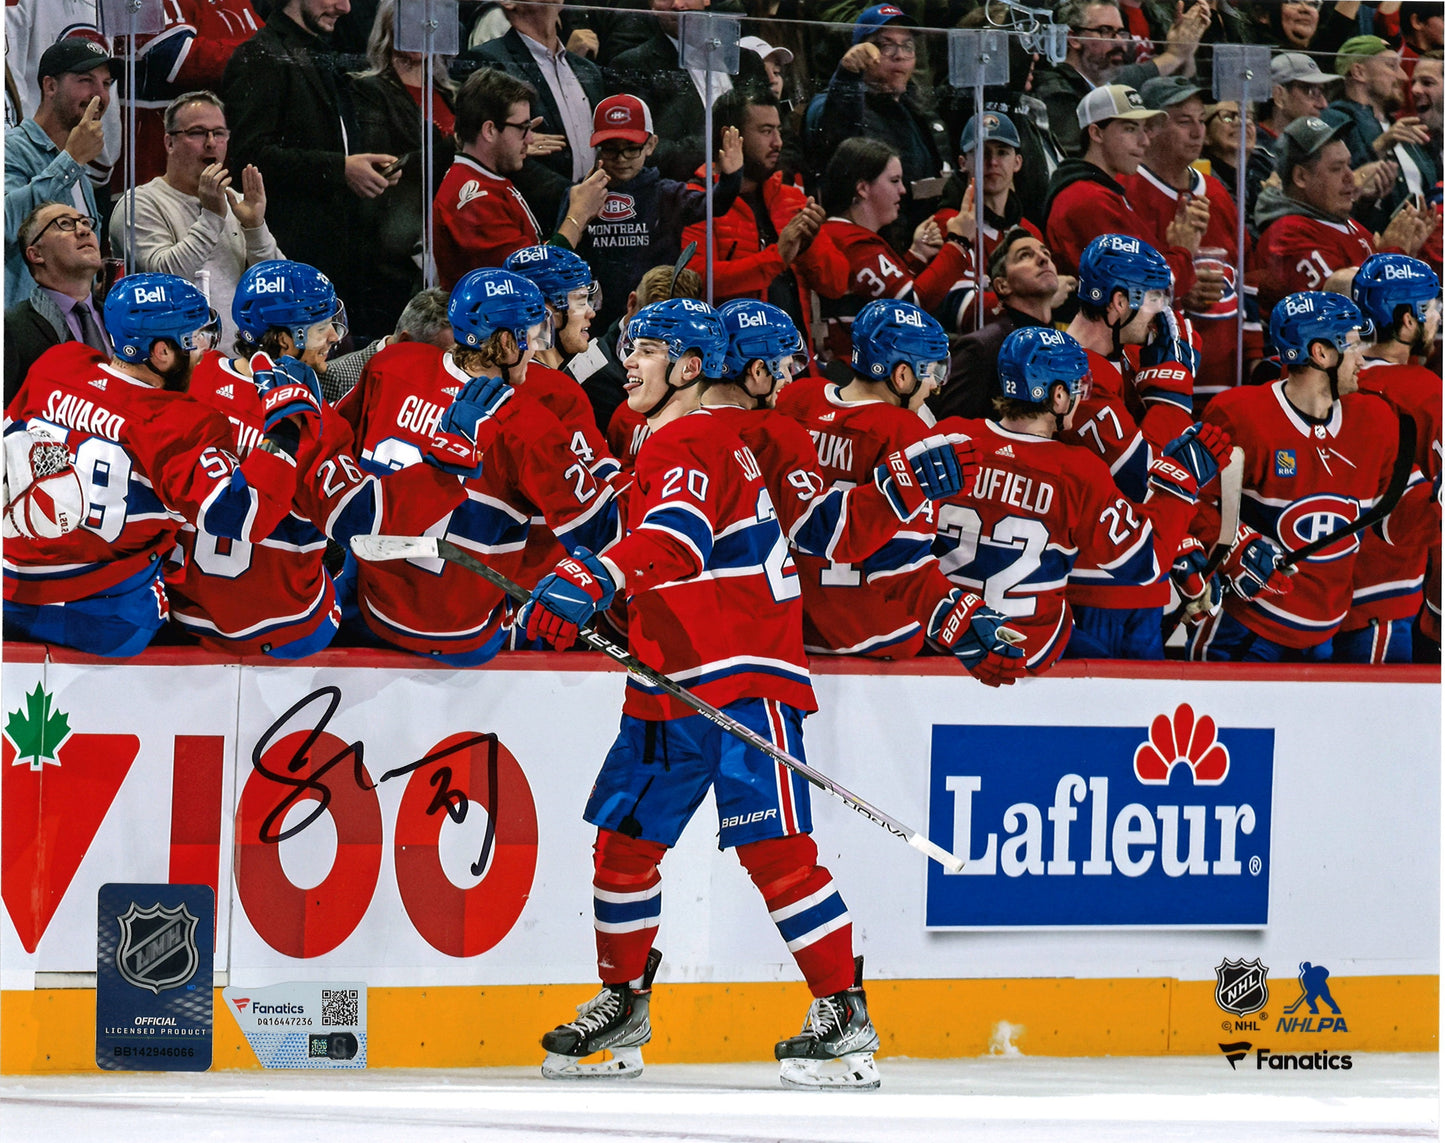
[1041, 514]
[150, 460]
[713, 598]
[875, 606]
[478, 218]
[1301, 482]
[1297, 253]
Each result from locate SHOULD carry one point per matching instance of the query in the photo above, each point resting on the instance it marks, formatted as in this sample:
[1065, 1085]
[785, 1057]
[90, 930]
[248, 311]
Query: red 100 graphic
[455, 921]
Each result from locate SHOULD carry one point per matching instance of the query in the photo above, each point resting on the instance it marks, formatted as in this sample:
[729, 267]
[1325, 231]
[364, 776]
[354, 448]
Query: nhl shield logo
[1242, 986]
[157, 947]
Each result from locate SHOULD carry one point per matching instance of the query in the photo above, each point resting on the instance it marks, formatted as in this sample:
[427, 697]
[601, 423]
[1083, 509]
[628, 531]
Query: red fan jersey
[478, 218]
[1299, 253]
[1303, 481]
[876, 270]
[1389, 577]
[528, 471]
[874, 606]
[713, 597]
[150, 460]
[1038, 515]
[241, 597]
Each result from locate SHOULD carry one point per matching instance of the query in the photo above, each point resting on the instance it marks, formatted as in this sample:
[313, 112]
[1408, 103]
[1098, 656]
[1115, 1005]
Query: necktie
[90, 331]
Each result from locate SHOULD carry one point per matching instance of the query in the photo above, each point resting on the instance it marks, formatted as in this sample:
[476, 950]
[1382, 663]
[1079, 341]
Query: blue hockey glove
[1187, 574]
[476, 404]
[930, 469]
[978, 638]
[1172, 344]
[566, 598]
[1252, 566]
[1190, 461]
[287, 388]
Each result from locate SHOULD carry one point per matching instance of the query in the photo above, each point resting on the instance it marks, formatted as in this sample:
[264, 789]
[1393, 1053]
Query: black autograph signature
[448, 799]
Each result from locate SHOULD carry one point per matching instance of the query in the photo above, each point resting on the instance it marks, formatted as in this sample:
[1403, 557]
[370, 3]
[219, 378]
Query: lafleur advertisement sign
[1088, 826]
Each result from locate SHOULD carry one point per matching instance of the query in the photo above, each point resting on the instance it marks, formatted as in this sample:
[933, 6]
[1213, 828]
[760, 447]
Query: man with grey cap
[1162, 190]
[1374, 91]
[1087, 196]
[1299, 89]
[1308, 241]
[45, 156]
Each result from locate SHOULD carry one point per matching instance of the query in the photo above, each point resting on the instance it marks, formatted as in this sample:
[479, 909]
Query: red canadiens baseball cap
[621, 117]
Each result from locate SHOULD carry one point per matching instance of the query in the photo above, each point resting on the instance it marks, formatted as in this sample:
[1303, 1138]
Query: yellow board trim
[53, 1030]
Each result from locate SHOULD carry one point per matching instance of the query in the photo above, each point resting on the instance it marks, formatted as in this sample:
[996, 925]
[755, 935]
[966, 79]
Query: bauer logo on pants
[1097, 826]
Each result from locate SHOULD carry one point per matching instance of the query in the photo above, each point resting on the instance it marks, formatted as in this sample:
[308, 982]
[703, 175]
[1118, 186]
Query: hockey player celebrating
[407, 392]
[714, 604]
[1040, 512]
[1400, 296]
[1317, 453]
[275, 597]
[149, 457]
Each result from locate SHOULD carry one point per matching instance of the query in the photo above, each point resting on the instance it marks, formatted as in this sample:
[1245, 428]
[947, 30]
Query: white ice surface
[1383, 1097]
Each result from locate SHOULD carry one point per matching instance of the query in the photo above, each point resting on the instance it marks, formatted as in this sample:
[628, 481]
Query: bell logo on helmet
[1119, 242]
[154, 294]
[752, 321]
[270, 285]
[497, 288]
[1297, 305]
[1396, 273]
[908, 317]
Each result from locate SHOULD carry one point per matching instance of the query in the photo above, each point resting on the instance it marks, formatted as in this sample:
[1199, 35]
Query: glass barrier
[329, 158]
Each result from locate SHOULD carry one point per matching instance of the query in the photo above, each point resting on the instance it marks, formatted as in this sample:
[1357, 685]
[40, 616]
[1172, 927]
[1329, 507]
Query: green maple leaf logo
[37, 732]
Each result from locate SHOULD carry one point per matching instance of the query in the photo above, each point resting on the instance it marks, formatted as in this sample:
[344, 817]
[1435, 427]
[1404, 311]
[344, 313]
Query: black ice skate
[614, 1020]
[835, 1048]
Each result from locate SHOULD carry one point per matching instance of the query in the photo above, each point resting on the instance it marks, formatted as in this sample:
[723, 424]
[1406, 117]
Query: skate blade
[624, 1063]
[856, 1072]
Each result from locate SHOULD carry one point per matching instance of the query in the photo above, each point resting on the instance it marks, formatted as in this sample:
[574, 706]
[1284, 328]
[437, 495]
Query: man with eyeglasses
[45, 157]
[191, 221]
[479, 215]
[63, 254]
[1101, 52]
[872, 94]
[151, 458]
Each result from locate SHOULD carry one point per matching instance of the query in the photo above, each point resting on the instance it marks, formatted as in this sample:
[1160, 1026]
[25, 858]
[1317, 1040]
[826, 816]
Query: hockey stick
[1231, 490]
[432, 547]
[687, 252]
[1399, 477]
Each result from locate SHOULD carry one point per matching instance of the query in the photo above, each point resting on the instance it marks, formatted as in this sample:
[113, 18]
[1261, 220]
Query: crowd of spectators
[842, 165]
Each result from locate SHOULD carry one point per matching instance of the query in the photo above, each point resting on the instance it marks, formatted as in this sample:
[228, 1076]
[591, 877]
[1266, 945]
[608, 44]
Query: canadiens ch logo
[618, 208]
[1307, 520]
[157, 947]
[1241, 986]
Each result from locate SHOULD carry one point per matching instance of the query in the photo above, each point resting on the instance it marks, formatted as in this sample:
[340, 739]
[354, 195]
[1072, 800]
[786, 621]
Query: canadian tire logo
[157, 947]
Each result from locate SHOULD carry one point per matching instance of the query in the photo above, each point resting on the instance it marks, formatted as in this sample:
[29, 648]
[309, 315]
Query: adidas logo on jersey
[99, 383]
[226, 391]
[827, 417]
[451, 390]
[1007, 450]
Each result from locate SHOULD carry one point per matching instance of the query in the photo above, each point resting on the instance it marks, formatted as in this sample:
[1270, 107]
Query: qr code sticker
[338, 1007]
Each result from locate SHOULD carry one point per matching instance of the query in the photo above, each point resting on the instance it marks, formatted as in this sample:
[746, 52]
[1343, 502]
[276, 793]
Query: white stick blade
[937, 852]
[393, 547]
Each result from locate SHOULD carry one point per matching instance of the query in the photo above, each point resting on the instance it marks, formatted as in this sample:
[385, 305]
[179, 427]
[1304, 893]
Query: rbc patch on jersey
[1099, 826]
[1284, 464]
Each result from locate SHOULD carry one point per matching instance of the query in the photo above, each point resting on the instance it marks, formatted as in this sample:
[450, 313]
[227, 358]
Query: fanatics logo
[470, 189]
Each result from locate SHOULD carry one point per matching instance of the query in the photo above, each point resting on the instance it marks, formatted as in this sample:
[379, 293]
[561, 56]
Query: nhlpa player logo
[157, 947]
[1092, 826]
[1241, 986]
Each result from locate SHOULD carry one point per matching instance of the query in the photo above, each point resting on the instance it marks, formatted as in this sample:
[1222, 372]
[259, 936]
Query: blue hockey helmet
[487, 301]
[1121, 262]
[1034, 359]
[887, 333]
[142, 309]
[684, 324]
[282, 294]
[1299, 320]
[758, 331]
[555, 271]
[1385, 282]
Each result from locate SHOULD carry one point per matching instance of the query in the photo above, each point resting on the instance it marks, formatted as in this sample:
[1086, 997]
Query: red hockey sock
[626, 903]
[807, 909]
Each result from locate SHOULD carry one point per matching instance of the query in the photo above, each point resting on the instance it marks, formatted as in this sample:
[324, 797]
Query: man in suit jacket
[290, 116]
[62, 253]
[569, 87]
